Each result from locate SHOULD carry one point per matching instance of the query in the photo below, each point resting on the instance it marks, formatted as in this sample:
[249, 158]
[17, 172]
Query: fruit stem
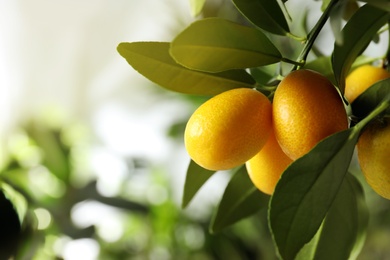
[313, 34]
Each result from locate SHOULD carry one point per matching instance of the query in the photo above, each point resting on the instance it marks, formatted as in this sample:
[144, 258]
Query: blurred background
[91, 152]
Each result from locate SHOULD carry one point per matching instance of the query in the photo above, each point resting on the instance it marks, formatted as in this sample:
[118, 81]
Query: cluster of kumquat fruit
[242, 126]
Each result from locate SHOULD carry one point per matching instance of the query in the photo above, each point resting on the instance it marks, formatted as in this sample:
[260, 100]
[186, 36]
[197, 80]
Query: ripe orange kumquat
[361, 79]
[266, 167]
[373, 150]
[229, 129]
[306, 109]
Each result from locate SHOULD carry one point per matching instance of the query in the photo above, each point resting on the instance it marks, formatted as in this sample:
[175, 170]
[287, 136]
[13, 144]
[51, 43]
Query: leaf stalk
[296, 63]
[313, 34]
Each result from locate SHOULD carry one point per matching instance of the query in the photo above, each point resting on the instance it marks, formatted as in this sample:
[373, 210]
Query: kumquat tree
[285, 118]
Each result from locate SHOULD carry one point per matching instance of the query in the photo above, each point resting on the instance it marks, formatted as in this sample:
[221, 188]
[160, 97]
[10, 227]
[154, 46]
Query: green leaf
[265, 14]
[32, 239]
[362, 60]
[18, 201]
[307, 189]
[322, 65]
[55, 153]
[383, 4]
[325, 3]
[369, 99]
[343, 231]
[241, 199]
[302, 23]
[309, 185]
[359, 213]
[195, 178]
[215, 45]
[357, 34]
[196, 6]
[336, 19]
[263, 75]
[152, 60]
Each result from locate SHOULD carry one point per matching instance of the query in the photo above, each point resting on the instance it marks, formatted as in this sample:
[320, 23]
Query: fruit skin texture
[228, 129]
[266, 167]
[306, 109]
[361, 79]
[373, 155]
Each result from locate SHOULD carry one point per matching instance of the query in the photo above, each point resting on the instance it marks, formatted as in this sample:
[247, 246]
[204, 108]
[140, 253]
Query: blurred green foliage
[44, 178]
[37, 204]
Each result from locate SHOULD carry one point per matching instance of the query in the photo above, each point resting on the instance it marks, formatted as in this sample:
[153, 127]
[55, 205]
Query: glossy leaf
[322, 65]
[361, 216]
[306, 191]
[18, 201]
[263, 74]
[357, 34]
[343, 230]
[309, 185]
[152, 60]
[240, 200]
[196, 6]
[336, 19]
[216, 45]
[368, 100]
[32, 239]
[195, 178]
[362, 60]
[302, 24]
[55, 153]
[265, 14]
[350, 8]
[383, 4]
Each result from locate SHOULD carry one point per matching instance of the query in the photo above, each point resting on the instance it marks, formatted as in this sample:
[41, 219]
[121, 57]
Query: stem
[313, 34]
[296, 63]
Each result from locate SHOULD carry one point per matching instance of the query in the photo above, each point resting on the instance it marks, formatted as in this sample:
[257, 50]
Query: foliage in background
[38, 197]
[43, 179]
[213, 55]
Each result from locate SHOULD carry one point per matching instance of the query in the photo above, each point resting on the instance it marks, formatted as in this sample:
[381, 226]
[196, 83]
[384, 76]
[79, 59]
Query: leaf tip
[121, 46]
[184, 203]
[213, 229]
